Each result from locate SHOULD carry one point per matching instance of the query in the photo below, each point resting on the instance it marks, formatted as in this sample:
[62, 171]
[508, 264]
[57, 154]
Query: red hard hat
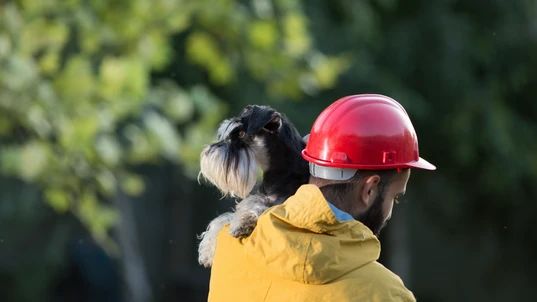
[364, 132]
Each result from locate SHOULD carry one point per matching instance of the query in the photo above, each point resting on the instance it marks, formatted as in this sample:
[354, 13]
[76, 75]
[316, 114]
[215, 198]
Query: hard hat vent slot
[388, 157]
[339, 157]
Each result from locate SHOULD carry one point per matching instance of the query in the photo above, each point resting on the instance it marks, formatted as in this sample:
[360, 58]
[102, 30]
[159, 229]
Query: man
[321, 244]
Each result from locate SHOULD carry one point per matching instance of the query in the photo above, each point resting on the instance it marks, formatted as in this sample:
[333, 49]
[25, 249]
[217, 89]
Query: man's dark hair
[342, 194]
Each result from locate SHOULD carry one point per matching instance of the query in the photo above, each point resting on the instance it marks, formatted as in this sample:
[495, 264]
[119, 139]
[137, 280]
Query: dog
[259, 138]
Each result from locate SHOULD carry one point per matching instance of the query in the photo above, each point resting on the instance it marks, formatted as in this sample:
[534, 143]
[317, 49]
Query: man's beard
[374, 218]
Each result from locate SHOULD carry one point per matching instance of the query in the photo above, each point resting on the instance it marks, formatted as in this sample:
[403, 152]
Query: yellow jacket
[300, 251]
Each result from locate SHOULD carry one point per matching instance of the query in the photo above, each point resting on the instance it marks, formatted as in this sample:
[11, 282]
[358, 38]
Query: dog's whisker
[199, 177]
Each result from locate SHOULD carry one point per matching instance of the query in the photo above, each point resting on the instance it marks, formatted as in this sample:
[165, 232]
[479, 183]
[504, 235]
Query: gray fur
[208, 238]
[247, 213]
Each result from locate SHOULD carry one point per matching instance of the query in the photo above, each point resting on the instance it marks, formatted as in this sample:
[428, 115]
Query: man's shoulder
[374, 279]
[384, 273]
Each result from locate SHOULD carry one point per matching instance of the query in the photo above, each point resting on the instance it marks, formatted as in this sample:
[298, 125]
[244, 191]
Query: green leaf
[33, 160]
[80, 132]
[112, 76]
[11, 18]
[263, 34]
[22, 73]
[263, 8]
[88, 205]
[109, 150]
[10, 159]
[327, 70]
[88, 30]
[137, 80]
[5, 126]
[181, 19]
[34, 6]
[164, 134]
[5, 45]
[107, 182]
[98, 217]
[155, 48]
[221, 72]
[133, 185]
[141, 150]
[37, 119]
[105, 218]
[297, 40]
[258, 65]
[196, 139]
[204, 101]
[179, 107]
[57, 199]
[76, 82]
[203, 50]
[43, 33]
[108, 216]
[50, 62]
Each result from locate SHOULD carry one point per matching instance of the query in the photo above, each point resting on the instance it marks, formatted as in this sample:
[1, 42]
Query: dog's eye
[242, 134]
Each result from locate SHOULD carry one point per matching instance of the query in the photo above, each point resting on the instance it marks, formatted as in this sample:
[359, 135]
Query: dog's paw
[207, 246]
[206, 250]
[242, 227]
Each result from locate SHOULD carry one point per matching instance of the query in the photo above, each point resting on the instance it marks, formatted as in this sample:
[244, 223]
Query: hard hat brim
[419, 164]
[422, 164]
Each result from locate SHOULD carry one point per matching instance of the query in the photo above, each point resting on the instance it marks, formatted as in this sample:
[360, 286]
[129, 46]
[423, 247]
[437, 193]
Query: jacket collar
[308, 209]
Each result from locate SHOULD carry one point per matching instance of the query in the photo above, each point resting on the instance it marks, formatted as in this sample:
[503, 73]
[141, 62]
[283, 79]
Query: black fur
[287, 169]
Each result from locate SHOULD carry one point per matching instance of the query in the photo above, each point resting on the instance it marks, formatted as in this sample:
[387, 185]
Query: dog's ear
[263, 117]
[275, 123]
[289, 135]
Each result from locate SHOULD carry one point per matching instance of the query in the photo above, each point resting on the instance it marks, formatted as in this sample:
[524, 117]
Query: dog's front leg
[208, 239]
[246, 215]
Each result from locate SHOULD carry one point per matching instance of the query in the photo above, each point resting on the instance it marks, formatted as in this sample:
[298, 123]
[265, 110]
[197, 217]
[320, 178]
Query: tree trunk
[137, 287]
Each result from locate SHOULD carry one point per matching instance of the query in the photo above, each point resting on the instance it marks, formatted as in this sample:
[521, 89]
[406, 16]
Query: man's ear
[370, 190]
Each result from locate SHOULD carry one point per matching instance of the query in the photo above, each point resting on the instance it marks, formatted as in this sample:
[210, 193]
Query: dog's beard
[233, 172]
[233, 169]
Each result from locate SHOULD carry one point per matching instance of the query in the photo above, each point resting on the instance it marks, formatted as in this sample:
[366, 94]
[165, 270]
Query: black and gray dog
[258, 138]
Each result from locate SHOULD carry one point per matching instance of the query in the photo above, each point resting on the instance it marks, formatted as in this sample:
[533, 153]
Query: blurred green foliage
[78, 107]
